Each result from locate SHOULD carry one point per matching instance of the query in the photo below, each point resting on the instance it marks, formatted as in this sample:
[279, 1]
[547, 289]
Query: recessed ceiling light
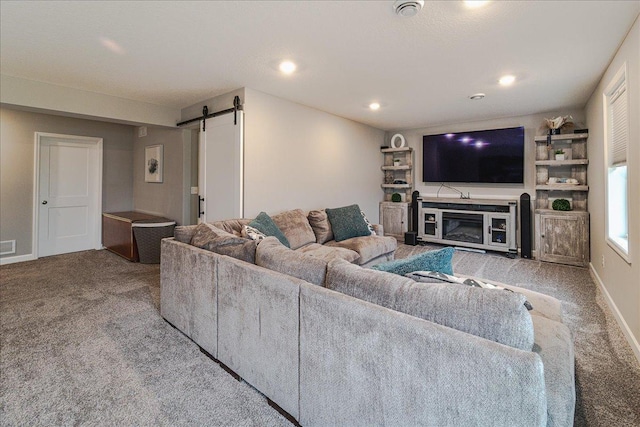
[287, 67]
[374, 106]
[507, 80]
[477, 96]
[474, 4]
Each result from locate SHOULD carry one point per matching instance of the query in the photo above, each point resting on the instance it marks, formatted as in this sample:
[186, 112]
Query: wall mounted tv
[485, 156]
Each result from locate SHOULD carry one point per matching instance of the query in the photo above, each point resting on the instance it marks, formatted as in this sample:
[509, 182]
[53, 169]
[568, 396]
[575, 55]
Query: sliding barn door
[221, 158]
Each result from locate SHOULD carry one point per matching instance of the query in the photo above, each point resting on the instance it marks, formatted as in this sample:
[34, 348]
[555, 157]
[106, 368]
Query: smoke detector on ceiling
[407, 8]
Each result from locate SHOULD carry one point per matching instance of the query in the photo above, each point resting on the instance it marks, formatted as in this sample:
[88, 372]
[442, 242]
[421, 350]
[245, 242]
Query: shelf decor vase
[559, 156]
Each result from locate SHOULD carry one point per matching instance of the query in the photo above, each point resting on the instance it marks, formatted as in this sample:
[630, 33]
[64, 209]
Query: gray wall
[620, 279]
[300, 157]
[17, 144]
[170, 198]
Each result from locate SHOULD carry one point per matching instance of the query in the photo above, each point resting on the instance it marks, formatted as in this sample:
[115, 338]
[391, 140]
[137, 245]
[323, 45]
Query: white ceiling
[350, 53]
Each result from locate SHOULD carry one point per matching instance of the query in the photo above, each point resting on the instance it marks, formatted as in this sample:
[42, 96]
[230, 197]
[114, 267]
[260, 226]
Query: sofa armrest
[362, 364]
[188, 292]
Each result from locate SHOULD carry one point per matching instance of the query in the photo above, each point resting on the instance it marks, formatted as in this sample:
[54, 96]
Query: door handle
[44, 202]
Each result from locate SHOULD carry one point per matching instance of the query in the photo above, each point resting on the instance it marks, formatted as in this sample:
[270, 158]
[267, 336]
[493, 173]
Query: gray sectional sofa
[361, 347]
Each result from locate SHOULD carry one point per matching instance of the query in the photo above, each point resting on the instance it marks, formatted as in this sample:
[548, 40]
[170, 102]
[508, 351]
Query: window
[616, 119]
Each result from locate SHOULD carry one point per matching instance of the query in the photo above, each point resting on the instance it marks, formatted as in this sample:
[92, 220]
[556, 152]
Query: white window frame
[618, 80]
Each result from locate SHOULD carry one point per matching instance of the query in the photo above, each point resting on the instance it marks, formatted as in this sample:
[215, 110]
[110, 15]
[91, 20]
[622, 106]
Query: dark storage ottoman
[148, 234]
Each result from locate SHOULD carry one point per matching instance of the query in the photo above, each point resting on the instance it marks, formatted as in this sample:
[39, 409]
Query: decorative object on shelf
[557, 123]
[388, 177]
[394, 138]
[559, 154]
[561, 205]
[396, 162]
[153, 163]
[396, 197]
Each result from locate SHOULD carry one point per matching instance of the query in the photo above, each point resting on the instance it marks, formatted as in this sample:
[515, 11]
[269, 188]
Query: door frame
[88, 140]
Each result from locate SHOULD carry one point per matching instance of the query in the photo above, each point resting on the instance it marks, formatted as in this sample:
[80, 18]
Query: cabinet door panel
[394, 219]
[562, 239]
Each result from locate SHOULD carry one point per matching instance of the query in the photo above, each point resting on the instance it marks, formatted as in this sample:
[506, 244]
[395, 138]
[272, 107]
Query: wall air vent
[7, 247]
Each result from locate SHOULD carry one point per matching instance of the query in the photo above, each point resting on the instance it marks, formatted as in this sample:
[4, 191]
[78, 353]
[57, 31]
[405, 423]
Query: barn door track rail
[206, 115]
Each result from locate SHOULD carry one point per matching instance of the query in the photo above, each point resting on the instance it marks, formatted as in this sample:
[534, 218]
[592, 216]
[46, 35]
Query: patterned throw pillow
[366, 220]
[252, 233]
[347, 222]
[439, 260]
[265, 224]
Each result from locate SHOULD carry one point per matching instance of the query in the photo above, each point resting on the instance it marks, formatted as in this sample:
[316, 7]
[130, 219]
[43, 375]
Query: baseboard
[17, 258]
[633, 342]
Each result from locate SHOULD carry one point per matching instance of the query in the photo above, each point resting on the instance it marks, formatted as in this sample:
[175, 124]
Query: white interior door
[69, 194]
[221, 159]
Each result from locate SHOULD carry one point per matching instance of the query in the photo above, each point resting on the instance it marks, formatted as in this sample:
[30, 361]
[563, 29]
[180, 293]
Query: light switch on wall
[194, 190]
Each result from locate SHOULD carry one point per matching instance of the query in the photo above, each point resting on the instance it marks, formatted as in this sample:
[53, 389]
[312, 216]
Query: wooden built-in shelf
[553, 212]
[572, 162]
[395, 150]
[405, 186]
[396, 168]
[562, 187]
[563, 137]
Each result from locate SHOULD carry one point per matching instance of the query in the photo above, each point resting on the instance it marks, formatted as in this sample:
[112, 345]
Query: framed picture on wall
[153, 163]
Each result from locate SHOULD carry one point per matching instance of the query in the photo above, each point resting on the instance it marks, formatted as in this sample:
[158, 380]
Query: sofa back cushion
[273, 255]
[295, 227]
[321, 226]
[233, 226]
[495, 315]
[209, 237]
[184, 233]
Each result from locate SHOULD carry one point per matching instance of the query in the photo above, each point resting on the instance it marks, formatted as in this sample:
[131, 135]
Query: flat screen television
[486, 156]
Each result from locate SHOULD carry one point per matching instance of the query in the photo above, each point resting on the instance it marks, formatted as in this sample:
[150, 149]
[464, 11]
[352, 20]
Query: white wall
[621, 280]
[300, 157]
[50, 98]
[17, 163]
[533, 125]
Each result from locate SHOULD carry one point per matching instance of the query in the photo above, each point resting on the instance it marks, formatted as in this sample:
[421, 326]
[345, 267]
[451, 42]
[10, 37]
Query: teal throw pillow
[347, 222]
[439, 260]
[265, 224]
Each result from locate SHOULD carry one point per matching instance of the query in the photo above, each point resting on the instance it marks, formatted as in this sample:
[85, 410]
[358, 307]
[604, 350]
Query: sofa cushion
[497, 316]
[233, 226]
[214, 239]
[271, 254]
[328, 253]
[368, 247]
[321, 226]
[295, 227]
[264, 223]
[438, 260]
[347, 222]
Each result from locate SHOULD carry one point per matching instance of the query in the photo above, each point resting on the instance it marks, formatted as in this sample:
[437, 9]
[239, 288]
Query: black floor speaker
[525, 226]
[411, 238]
